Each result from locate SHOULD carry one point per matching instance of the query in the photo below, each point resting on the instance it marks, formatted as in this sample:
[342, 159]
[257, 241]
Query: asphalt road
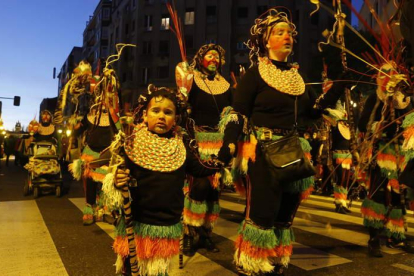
[45, 236]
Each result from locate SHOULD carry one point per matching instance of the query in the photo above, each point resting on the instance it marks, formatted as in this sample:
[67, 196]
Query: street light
[68, 132]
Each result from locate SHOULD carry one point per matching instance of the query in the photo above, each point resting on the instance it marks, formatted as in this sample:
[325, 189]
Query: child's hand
[121, 178]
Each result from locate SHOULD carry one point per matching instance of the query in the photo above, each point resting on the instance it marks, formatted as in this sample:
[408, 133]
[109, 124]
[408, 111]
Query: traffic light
[16, 101]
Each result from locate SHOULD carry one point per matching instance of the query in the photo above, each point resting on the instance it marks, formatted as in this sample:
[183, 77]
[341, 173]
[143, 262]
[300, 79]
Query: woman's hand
[121, 178]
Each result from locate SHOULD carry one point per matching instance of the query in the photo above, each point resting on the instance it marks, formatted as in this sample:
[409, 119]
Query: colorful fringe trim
[209, 143]
[376, 216]
[198, 213]
[256, 247]
[373, 214]
[343, 158]
[340, 195]
[87, 213]
[408, 144]
[97, 174]
[155, 245]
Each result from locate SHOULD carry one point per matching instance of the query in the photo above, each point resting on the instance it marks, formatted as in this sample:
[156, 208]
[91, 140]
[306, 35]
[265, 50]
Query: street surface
[46, 237]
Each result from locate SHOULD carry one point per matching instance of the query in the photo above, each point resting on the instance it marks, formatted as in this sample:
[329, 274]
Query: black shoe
[188, 246]
[340, 209]
[404, 245]
[374, 248]
[207, 243]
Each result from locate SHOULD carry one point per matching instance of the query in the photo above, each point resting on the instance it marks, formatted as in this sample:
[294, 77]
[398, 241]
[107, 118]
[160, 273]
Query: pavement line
[341, 217]
[192, 266]
[327, 230]
[304, 257]
[26, 246]
[404, 267]
[332, 206]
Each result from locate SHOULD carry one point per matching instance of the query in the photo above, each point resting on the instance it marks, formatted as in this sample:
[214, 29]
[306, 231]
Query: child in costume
[157, 159]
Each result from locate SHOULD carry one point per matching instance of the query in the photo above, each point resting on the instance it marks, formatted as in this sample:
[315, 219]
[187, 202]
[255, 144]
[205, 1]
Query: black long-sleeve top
[158, 198]
[205, 110]
[97, 137]
[270, 108]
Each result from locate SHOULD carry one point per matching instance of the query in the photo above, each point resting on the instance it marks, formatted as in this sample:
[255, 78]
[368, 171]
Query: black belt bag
[285, 156]
[286, 159]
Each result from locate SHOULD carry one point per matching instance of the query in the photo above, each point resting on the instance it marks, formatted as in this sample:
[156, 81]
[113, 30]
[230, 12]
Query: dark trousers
[269, 204]
[91, 191]
[201, 190]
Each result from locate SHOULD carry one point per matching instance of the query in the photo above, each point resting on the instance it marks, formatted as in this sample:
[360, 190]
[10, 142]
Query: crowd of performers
[157, 170]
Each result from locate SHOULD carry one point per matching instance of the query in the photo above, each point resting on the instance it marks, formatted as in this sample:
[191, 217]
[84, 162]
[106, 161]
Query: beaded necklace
[46, 130]
[217, 86]
[155, 153]
[285, 81]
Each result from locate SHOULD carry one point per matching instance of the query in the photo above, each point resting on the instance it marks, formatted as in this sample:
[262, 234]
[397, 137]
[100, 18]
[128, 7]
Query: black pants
[270, 205]
[91, 191]
[201, 190]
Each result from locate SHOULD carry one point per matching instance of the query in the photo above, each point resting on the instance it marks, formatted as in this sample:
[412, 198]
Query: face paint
[384, 77]
[280, 41]
[211, 61]
[160, 115]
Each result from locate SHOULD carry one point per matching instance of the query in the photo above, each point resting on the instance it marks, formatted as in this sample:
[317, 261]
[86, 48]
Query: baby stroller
[44, 170]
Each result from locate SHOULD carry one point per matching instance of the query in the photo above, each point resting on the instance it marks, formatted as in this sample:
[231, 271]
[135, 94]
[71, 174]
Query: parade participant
[267, 96]
[383, 209]
[209, 94]
[98, 134]
[46, 130]
[157, 160]
[337, 118]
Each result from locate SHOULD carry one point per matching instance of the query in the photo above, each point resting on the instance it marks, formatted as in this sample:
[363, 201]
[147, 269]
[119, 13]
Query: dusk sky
[35, 37]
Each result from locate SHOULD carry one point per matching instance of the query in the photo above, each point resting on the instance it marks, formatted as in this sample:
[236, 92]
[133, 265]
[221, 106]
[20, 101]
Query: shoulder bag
[285, 156]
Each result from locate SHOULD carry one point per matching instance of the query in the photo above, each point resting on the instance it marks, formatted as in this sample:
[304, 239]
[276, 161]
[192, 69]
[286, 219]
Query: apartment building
[147, 24]
[96, 34]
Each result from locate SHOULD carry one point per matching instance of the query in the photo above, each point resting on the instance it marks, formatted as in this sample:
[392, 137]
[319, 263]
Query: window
[126, 29]
[165, 22]
[241, 45]
[146, 47]
[189, 41]
[105, 32]
[104, 51]
[133, 26]
[148, 22]
[315, 19]
[211, 14]
[242, 12]
[211, 41]
[117, 33]
[145, 75]
[163, 72]
[134, 3]
[189, 17]
[261, 10]
[106, 14]
[163, 47]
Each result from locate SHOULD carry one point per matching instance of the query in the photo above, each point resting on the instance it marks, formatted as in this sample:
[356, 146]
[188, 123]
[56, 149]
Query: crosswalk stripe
[304, 257]
[26, 245]
[192, 265]
[331, 206]
[404, 267]
[327, 230]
